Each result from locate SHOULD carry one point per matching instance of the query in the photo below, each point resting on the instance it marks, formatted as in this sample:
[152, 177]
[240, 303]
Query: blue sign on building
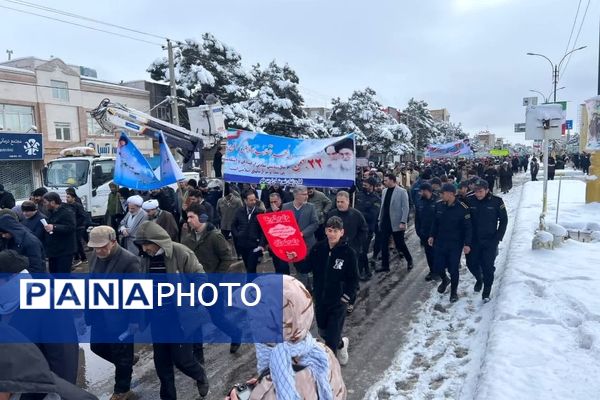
[21, 146]
[569, 124]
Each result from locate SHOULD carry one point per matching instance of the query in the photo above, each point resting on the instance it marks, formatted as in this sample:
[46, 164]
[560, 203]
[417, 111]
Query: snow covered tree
[277, 103]
[450, 132]
[421, 123]
[363, 115]
[209, 67]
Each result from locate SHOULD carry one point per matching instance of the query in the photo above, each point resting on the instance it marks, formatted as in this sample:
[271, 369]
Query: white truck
[90, 174]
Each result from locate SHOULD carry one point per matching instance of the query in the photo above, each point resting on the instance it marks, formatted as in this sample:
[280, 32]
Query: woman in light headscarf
[300, 367]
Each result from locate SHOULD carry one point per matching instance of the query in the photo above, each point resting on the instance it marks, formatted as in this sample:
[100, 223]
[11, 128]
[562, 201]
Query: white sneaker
[343, 352]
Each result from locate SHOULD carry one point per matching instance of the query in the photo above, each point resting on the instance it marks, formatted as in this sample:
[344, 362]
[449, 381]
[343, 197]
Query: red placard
[283, 234]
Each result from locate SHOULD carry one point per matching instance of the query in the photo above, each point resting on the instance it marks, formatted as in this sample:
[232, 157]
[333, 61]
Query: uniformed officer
[450, 235]
[424, 216]
[368, 203]
[489, 220]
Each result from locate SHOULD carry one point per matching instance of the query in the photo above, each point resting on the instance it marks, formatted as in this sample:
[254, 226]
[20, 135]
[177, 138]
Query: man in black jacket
[424, 216]
[451, 234]
[489, 220]
[247, 233]
[33, 219]
[334, 266]
[20, 239]
[61, 234]
[108, 325]
[368, 203]
[7, 200]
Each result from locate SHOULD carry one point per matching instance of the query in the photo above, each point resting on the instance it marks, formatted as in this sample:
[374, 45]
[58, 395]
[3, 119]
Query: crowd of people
[200, 229]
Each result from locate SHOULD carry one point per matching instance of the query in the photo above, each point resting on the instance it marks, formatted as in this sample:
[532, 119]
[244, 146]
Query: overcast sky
[465, 55]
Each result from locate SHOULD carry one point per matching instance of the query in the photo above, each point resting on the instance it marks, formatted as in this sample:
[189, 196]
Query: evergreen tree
[421, 123]
[450, 132]
[207, 68]
[363, 115]
[277, 103]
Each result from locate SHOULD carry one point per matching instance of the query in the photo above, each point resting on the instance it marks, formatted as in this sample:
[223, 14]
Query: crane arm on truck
[114, 116]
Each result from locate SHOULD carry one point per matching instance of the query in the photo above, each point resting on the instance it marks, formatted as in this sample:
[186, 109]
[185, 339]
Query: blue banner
[133, 171]
[259, 158]
[144, 308]
[460, 148]
[21, 146]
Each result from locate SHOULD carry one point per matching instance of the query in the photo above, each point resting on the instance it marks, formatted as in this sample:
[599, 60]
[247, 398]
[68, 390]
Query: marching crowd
[199, 229]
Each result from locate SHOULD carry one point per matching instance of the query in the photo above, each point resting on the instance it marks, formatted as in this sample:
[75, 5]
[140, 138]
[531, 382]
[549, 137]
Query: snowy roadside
[544, 342]
[445, 347]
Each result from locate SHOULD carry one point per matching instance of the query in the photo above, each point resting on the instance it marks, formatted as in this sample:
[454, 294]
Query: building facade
[441, 115]
[54, 99]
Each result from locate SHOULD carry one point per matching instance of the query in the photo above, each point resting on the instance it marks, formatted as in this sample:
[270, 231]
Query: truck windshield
[62, 173]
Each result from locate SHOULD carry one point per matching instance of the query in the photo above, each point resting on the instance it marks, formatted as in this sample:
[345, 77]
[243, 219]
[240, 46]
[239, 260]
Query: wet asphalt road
[384, 310]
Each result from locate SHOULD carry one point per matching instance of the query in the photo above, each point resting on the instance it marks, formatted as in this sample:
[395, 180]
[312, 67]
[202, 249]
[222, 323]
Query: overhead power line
[81, 25]
[576, 38]
[573, 27]
[82, 17]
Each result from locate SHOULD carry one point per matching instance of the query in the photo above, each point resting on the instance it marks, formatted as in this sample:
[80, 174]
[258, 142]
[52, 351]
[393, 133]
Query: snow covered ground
[539, 337]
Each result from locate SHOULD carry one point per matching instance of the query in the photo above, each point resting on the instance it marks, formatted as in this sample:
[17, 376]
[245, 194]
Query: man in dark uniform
[450, 235]
[489, 220]
[368, 203]
[424, 216]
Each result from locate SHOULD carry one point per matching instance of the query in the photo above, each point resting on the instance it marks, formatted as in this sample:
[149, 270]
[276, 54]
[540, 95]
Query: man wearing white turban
[163, 218]
[131, 222]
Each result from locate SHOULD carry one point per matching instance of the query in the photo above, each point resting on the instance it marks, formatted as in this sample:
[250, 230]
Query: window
[63, 172]
[63, 131]
[102, 172]
[16, 118]
[94, 128]
[60, 90]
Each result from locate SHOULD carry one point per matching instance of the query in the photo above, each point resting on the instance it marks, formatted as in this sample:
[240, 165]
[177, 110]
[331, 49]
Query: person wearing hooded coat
[23, 242]
[25, 373]
[161, 255]
[300, 367]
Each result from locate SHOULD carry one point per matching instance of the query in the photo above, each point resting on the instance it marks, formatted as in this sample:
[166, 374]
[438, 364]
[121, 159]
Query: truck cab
[88, 173]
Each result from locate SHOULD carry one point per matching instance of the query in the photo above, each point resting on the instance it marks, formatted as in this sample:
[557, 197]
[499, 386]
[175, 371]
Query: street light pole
[555, 77]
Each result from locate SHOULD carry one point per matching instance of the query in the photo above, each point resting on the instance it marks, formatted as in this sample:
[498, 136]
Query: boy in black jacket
[334, 267]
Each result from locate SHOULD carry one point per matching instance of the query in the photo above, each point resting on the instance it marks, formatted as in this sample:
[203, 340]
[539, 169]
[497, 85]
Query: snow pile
[544, 341]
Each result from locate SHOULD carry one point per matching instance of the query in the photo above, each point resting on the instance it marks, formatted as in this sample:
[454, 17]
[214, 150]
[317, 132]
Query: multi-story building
[53, 98]
[441, 115]
[486, 139]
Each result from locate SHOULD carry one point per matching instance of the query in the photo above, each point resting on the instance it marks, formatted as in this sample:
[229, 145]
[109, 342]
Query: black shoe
[445, 282]
[453, 297]
[382, 270]
[478, 286]
[429, 277]
[486, 293]
[234, 348]
[202, 388]
[409, 265]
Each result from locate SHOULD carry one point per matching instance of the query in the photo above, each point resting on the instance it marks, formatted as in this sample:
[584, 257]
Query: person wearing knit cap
[131, 223]
[32, 218]
[162, 217]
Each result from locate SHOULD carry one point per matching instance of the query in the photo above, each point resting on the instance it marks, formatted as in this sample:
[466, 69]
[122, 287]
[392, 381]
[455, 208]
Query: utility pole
[174, 105]
[9, 52]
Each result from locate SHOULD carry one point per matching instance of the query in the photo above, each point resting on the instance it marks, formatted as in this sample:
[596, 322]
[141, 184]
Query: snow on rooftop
[99, 82]
[17, 70]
